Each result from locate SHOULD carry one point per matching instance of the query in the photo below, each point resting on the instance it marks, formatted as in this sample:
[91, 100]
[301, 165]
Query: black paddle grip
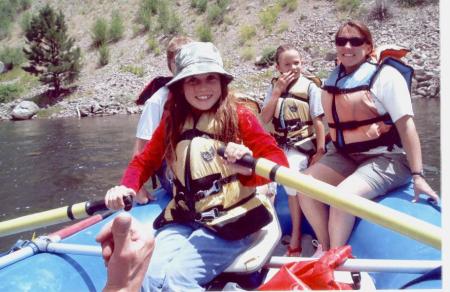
[93, 207]
[247, 160]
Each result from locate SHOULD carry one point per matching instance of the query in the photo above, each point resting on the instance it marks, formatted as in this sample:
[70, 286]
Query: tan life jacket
[206, 191]
[354, 122]
[292, 120]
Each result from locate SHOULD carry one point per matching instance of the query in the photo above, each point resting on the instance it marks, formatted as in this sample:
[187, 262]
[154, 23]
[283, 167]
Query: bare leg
[296, 215]
[341, 223]
[317, 212]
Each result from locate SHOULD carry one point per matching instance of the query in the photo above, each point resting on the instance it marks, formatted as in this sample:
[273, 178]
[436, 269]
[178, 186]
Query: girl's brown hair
[179, 109]
[281, 49]
[174, 45]
[361, 27]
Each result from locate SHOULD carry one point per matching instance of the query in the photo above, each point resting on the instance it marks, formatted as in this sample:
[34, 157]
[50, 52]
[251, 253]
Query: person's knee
[179, 276]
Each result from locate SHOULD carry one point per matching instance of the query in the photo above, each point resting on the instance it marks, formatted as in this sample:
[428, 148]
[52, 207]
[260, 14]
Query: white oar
[369, 265]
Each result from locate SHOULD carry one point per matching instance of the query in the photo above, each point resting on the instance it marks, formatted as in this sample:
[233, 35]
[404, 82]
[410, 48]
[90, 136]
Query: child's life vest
[354, 122]
[206, 190]
[292, 120]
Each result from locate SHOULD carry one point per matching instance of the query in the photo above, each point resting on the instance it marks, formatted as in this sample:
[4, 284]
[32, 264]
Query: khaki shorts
[383, 172]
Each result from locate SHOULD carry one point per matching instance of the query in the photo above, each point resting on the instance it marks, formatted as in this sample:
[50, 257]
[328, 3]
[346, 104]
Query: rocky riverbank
[113, 88]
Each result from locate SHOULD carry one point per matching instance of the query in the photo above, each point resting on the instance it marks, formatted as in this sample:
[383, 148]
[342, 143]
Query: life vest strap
[337, 90]
[356, 124]
[290, 125]
[216, 187]
[192, 133]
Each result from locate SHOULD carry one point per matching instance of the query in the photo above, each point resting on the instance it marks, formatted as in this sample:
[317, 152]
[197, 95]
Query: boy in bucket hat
[214, 211]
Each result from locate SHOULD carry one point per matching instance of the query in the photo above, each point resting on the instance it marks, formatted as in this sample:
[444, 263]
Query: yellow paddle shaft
[46, 218]
[355, 205]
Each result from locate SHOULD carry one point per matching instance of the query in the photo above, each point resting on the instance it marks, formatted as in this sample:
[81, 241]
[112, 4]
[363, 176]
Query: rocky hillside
[111, 89]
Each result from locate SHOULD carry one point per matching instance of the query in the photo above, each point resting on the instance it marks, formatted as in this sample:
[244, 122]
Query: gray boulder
[24, 110]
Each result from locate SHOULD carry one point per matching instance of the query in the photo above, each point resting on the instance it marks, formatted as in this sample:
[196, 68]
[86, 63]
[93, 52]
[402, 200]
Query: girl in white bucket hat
[214, 209]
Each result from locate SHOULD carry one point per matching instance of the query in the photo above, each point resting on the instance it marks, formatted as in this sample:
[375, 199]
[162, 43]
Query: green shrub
[349, 6]
[8, 11]
[153, 45]
[248, 53]
[11, 57]
[215, 14]
[99, 32]
[290, 4]
[199, 5]
[268, 16]
[151, 6]
[103, 52]
[204, 33]
[284, 26]
[116, 27]
[267, 57]
[246, 33]
[25, 21]
[9, 92]
[138, 71]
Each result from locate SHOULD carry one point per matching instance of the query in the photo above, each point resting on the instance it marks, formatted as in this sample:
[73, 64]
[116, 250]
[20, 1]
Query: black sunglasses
[355, 42]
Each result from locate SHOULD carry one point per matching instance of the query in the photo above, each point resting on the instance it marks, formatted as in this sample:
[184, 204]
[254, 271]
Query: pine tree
[51, 53]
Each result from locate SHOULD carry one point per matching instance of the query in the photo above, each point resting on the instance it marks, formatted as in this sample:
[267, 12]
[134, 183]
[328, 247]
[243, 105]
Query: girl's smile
[202, 91]
[352, 49]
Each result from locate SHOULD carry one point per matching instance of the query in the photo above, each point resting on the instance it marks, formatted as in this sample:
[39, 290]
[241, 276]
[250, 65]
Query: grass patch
[291, 5]
[46, 113]
[136, 70]
[284, 26]
[268, 16]
[204, 33]
[248, 53]
[246, 33]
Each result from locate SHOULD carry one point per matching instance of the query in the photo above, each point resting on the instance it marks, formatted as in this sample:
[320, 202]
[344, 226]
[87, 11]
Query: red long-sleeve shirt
[251, 132]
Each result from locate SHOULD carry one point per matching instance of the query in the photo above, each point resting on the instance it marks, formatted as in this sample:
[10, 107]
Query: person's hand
[316, 157]
[143, 196]
[114, 197]
[127, 247]
[234, 152]
[421, 187]
[284, 80]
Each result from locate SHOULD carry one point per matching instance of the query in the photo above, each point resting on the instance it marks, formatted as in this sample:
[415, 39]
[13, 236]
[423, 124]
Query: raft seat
[264, 243]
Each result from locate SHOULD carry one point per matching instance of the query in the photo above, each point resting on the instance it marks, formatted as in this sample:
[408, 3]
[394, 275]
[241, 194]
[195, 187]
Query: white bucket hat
[198, 58]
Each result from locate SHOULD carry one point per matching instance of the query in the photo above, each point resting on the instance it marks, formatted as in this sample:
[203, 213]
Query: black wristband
[419, 173]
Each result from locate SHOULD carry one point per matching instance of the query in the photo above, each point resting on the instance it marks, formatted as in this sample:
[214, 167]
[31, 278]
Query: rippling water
[46, 164]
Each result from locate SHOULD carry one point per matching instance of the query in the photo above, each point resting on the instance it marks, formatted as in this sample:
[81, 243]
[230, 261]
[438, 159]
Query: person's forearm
[319, 129]
[411, 142]
[268, 110]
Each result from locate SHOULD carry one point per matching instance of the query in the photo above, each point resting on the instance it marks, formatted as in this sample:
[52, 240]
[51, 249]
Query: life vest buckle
[214, 189]
[208, 215]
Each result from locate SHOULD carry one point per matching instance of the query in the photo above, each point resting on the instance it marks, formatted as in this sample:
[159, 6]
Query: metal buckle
[215, 188]
[209, 215]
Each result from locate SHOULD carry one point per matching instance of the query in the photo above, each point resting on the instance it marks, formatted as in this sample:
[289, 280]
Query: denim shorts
[383, 172]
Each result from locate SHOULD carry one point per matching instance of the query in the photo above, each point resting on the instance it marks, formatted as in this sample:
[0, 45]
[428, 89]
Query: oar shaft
[355, 205]
[46, 218]
[55, 216]
[369, 265]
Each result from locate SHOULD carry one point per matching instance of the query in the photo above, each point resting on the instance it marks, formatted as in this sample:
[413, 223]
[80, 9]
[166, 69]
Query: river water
[46, 164]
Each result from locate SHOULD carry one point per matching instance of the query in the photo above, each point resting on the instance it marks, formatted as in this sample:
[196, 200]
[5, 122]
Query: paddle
[55, 216]
[355, 205]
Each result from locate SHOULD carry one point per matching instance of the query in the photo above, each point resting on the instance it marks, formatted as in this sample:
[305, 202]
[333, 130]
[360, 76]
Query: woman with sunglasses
[376, 146]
